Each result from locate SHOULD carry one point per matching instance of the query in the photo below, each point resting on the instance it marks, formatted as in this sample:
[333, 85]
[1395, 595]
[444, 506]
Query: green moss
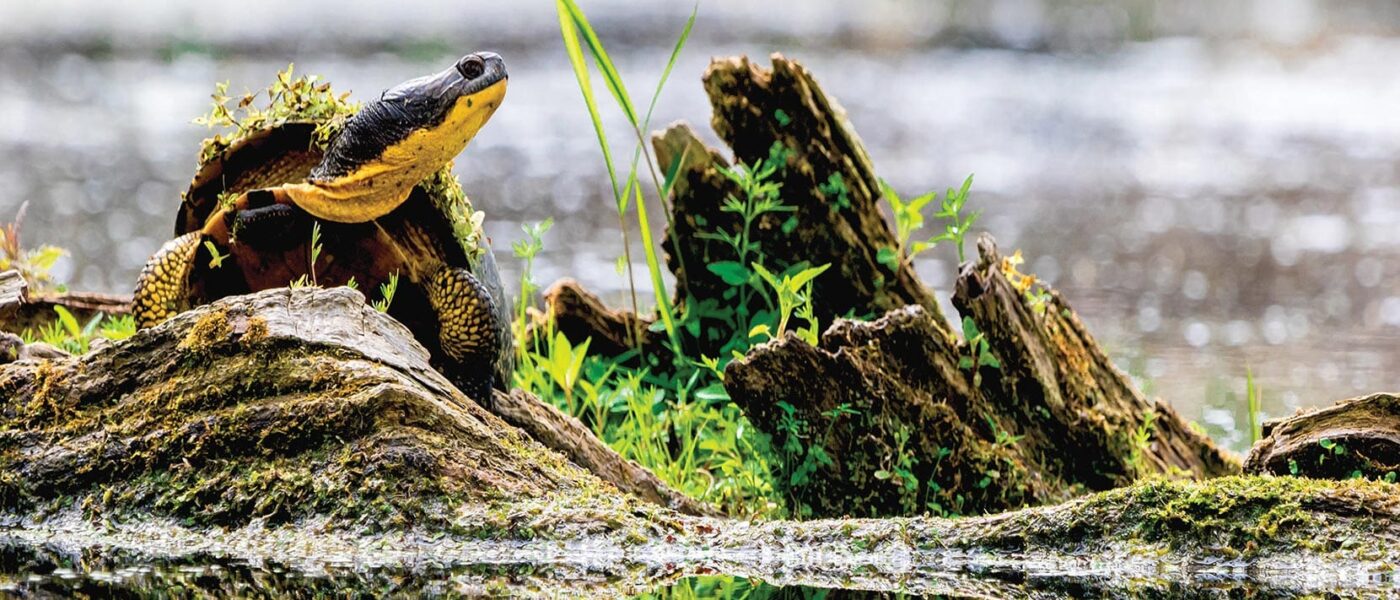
[1238, 515]
[446, 192]
[210, 330]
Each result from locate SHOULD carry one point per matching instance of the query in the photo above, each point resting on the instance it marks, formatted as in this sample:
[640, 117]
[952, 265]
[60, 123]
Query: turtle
[321, 193]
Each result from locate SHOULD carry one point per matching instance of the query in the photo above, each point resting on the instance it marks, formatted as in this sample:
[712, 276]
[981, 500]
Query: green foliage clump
[289, 99]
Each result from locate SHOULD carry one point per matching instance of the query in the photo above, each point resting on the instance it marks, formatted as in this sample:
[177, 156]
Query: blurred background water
[1213, 184]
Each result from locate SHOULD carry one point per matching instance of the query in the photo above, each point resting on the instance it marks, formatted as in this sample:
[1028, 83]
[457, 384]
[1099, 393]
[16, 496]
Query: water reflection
[50, 572]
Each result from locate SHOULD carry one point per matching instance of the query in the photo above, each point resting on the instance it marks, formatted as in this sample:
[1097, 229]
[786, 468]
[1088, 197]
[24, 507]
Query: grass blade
[601, 58]
[663, 300]
[570, 34]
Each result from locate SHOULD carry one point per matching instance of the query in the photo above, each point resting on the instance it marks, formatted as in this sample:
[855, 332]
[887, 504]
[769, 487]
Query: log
[21, 308]
[1357, 437]
[1232, 537]
[278, 406]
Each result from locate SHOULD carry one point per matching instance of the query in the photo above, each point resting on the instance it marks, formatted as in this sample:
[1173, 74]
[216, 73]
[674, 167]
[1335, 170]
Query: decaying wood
[897, 395]
[21, 308]
[579, 315]
[1072, 400]
[756, 110]
[1357, 436]
[904, 426]
[281, 404]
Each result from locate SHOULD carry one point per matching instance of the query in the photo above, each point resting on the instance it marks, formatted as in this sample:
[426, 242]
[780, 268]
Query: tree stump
[887, 417]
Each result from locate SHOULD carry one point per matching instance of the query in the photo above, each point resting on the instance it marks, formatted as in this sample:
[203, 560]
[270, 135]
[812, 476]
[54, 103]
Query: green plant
[979, 352]
[793, 291]
[1141, 442]
[909, 218]
[526, 250]
[315, 251]
[573, 27]
[386, 293]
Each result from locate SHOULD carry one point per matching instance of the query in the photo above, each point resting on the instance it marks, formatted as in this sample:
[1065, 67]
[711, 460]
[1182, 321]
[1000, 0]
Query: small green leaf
[733, 273]
[782, 117]
[889, 257]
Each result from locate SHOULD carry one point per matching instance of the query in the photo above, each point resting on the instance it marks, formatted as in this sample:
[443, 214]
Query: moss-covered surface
[281, 406]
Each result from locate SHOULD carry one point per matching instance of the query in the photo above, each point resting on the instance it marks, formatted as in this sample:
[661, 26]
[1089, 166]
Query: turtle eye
[471, 66]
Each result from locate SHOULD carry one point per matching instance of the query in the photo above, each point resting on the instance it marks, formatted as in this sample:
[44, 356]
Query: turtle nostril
[471, 66]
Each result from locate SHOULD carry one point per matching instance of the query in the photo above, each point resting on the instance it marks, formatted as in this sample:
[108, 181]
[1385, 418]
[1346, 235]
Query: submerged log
[1232, 537]
[281, 405]
[1357, 437]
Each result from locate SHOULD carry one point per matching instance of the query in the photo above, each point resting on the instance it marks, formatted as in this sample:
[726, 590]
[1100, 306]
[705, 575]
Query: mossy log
[1357, 437]
[1229, 537]
[281, 405]
[886, 417]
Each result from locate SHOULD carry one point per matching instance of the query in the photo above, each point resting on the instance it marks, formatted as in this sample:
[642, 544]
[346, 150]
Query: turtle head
[411, 131]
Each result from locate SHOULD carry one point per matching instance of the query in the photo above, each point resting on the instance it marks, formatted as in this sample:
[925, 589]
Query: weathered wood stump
[903, 426]
[1357, 437]
[887, 417]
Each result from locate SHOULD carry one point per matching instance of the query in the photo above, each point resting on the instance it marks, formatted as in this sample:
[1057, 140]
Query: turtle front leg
[163, 290]
[468, 333]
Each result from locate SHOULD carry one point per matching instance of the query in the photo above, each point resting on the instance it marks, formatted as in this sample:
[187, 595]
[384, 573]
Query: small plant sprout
[979, 352]
[909, 218]
[216, 258]
[33, 265]
[564, 364]
[386, 293]
[526, 250]
[792, 291]
[315, 250]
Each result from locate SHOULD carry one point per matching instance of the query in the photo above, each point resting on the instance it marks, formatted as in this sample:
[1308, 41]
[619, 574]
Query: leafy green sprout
[909, 218]
[792, 291]
[979, 352]
[216, 258]
[527, 250]
[315, 250]
[386, 293]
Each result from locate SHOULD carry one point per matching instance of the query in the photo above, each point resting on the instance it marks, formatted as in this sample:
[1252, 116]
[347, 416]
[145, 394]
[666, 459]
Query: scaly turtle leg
[162, 291]
[468, 334]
